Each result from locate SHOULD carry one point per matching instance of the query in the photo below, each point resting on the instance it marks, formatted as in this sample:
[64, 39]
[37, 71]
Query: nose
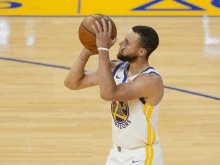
[121, 43]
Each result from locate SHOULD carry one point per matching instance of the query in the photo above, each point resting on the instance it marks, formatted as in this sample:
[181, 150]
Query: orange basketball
[86, 33]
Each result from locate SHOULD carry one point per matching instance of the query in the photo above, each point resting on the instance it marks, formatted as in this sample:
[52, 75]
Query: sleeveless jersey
[134, 122]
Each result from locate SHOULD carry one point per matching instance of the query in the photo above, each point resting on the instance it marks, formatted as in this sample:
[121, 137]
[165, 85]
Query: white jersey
[134, 123]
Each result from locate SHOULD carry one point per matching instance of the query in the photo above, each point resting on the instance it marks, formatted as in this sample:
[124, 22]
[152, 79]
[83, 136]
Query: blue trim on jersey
[117, 67]
[125, 76]
[142, 100]
[147, 69]
[154, 73]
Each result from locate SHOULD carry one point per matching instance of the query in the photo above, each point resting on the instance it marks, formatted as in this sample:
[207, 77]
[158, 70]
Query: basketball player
[135, 89]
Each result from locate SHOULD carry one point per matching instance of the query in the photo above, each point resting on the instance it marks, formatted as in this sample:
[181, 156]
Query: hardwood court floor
[44, 123]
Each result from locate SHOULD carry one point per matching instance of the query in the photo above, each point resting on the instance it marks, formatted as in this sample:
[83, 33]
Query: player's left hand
[103, 35]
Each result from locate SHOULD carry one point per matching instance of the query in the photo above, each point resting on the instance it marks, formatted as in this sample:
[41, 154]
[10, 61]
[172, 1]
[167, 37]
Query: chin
[121, 57]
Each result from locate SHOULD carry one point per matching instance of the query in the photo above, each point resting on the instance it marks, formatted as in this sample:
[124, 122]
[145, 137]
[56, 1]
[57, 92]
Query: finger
[99, 26]
[104, 26]
[95, 30]
[110, 28]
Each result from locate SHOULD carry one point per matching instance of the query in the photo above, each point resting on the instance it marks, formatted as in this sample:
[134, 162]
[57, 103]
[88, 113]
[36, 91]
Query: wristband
[106, 49]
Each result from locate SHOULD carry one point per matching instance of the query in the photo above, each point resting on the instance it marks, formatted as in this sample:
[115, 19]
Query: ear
[142, 52]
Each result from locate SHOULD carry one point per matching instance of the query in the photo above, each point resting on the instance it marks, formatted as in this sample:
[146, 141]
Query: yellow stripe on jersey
[154, 136]
[149, 139]
[149, 133]
[147, 155]
[145, 108]
[151, 154]
[149, 113]
[149, 147]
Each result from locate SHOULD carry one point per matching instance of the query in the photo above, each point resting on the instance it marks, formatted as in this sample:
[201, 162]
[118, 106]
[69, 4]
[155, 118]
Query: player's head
[140, 41]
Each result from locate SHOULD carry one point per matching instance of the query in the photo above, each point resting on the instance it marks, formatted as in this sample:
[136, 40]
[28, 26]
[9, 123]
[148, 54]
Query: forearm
[107, 84]
[76, 72]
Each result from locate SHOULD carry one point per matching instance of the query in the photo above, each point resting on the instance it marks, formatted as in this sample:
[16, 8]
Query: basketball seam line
[87, 30]
[103, 18]
[96, 19]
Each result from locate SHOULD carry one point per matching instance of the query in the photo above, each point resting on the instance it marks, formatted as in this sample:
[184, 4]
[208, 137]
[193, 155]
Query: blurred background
[44, 123]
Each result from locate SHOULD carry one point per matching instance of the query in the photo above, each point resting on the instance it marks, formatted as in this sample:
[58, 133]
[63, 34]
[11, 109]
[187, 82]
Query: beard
[129, 57]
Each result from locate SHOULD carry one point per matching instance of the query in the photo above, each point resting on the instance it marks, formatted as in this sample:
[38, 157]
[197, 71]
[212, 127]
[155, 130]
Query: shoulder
[153, 80]
[152, 87]
[151, 75]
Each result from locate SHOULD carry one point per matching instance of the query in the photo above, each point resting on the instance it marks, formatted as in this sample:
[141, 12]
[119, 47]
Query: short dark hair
[149, 38]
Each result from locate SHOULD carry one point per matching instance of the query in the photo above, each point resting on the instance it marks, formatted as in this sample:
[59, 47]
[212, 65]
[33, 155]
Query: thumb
[114, 40]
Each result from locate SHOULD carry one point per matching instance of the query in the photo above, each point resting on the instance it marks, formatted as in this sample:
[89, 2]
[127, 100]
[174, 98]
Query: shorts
[149, 155]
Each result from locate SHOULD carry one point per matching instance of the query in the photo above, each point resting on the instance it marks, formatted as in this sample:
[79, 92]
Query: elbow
[105, 96]
[69, 85]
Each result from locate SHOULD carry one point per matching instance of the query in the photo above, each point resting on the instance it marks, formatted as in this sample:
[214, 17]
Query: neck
[136, 67]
